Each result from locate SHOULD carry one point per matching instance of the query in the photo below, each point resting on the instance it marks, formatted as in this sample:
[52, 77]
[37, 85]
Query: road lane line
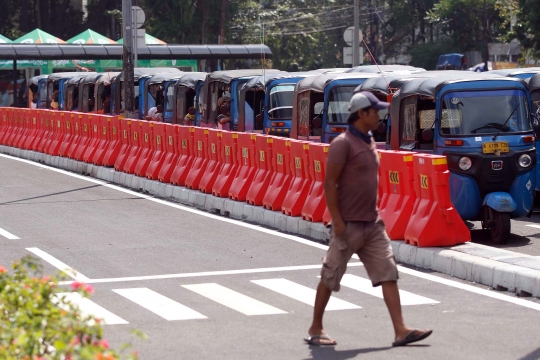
[74, 274]
[302, 293]
[233, 299]
[8, 235]
[364, 285]
[206, 273]
[159, 304]
[297, 239]
[88, 307]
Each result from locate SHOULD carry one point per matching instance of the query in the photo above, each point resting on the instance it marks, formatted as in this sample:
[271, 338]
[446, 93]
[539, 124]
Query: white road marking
[233, 299]
[404, 270]
[74, 274]
[8, 235]
[302, 293]
[207, 273]
[534, 226]
[365, 286]
[88, 307]
[159, 304]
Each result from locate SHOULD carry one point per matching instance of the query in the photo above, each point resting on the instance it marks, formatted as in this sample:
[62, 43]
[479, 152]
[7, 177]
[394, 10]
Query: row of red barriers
[278, 173]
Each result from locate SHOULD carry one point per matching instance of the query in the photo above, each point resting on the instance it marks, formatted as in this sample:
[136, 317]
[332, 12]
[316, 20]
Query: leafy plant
[37, 322]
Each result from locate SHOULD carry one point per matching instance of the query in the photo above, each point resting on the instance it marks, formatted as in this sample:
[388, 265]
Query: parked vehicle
[154, 90]
[521, 73]
[72, 100]
[483, 125]
[55, 88]
[38, 85]
[184, 96]
[452, 62]
[104, 93]
[377, 69]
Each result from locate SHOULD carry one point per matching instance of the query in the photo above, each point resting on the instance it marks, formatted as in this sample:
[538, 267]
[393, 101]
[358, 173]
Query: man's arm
[333, 172]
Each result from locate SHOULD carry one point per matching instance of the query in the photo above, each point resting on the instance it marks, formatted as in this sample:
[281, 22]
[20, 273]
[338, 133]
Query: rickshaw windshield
[484, 112]
[281, 102]
[338, 103]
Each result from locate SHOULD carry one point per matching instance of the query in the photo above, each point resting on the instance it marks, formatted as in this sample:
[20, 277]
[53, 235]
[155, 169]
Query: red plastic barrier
[125, 140]
[158, 143]
[68, 128]
[11, 128]
[281, 177]
[58, 134]
[263, 175]
[27, 128]
[185, 155]
[171, 153]
[33, 116]
[115, 144]
[136, 147]
[245, 156]
[301, 182]
[200, 153]
[327, 218]
[315, 204]
[15, 128]
[85, 138]
[40, 134]
[434, 220]
[147, 148]
[396, 186]
[103, 135]
[214, 161]
[76, 130]
[49, 132]
[229, 164]
[3, 122]
[94, 138]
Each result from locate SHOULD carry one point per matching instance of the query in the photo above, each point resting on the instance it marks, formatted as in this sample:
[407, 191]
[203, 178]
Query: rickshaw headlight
[465, 163]
[524, 161]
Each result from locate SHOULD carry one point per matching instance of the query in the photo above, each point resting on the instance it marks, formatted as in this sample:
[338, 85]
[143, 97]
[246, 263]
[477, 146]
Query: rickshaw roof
[140, 72]
[92, 79]
[227, 76]
[396, 80]
[78, 78]
[107, 78]
[319, 83]
[515, 71]
[66, 75]
[534, 82]
[162, 77]
[191, 79]
[35, 80]
[431, 86]
[261, 82]
[384, 68]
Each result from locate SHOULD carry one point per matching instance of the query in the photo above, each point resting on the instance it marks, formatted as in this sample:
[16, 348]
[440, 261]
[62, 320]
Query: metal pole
[135, 38]
[356, 34]
[129, 96]
[15, 76]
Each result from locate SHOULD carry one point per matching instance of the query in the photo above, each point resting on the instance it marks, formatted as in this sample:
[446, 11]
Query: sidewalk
[498, 268]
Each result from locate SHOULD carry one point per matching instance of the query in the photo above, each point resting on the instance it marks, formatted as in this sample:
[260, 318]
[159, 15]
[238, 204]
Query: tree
[527, 27]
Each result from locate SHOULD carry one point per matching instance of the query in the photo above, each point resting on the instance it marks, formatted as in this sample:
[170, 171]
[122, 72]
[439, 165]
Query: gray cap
[366, 99]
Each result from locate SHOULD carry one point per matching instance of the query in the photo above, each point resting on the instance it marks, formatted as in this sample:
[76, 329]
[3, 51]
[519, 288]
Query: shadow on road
[535, 355]
[479, 236]
[330, 352]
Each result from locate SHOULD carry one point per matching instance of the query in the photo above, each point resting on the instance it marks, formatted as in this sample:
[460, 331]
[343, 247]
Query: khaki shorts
[370, 241]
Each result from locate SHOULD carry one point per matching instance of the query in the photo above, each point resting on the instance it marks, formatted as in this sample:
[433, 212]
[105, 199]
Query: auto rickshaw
[521, 73]
[38, 85]
[377, 69]
[154, 90]
[186, 97]
[225, 83]
[55, 85]
[483, 125]
[72, 100]
[268, 103]
[103, 89]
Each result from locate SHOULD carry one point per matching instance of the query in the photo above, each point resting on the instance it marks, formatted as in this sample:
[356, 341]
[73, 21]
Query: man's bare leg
[393, 303]
[321, 300]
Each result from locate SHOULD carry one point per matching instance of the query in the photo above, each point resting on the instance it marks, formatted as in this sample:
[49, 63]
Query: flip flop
[316, 340]
[411, 337]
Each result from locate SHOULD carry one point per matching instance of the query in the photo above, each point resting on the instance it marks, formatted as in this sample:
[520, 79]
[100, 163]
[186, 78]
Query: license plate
[491, 147]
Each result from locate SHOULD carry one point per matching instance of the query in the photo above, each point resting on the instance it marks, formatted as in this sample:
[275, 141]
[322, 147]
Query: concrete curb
[500, 269]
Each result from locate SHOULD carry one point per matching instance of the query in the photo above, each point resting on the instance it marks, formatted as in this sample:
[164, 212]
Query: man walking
[351, 195]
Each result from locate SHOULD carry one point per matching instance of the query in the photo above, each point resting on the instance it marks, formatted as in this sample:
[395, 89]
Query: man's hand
[339, 227]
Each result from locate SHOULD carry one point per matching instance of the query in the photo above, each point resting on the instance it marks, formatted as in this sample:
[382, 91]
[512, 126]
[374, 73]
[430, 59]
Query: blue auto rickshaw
[55, 85]
[103, 89]
[227, 83]
[483, 125]
[452, 62]
[520, 73]
[268, 103]
[38, 85]
[186, 98]
[155, 92]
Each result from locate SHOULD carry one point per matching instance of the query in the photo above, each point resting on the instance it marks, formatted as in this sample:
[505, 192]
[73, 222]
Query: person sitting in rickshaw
[224, 118]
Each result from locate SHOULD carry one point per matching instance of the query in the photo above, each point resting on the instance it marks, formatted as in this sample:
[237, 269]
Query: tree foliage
[527, 27]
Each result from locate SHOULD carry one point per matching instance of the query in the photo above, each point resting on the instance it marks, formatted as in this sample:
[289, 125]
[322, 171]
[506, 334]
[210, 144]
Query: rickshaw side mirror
[381, 129]
[191, 111]
[427, 135]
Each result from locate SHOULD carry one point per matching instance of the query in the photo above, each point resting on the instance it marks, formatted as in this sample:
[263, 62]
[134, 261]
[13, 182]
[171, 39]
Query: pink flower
[2, 270]
[79, 285]
[45, 279]
[104, 343]
[76, 285]
[89, 289]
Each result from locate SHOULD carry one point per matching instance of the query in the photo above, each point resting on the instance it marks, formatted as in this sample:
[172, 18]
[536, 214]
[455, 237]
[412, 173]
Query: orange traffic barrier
[50, 133]
[147, 148]
[171, 153]
[263, 174]
[301, 182]
[103, 135]
[26, 129]
[68, 124]
[85, 138]
[245, 155]
[396, 185]
[34, 128]
[229, 164]
[158, 144]
[88, 154]
[14, 124]
[214, 161]
[41, 134]
[76, 130]
[200, 154]
[11, 129]
[3, 122]
[315, 205]
[125, 140]
[58, 130]
[114, 145]
[135, 148]
[434, 220]
[281, 175]
[185, 155]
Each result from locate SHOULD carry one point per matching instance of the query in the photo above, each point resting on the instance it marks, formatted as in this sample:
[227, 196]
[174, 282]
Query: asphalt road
[207, 287]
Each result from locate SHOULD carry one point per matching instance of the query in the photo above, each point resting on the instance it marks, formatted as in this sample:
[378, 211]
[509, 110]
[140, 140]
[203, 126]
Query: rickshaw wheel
[500, 227]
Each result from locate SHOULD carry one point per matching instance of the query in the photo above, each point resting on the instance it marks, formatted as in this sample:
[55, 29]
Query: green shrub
[37, 323]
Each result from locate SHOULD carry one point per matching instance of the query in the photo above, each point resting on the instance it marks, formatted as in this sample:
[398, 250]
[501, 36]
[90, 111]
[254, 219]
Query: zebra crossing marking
[88, 307]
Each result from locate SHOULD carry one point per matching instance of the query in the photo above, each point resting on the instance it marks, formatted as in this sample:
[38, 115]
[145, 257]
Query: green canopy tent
[149, 40]
[38, 36]
[5, 40]
[90, 37]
